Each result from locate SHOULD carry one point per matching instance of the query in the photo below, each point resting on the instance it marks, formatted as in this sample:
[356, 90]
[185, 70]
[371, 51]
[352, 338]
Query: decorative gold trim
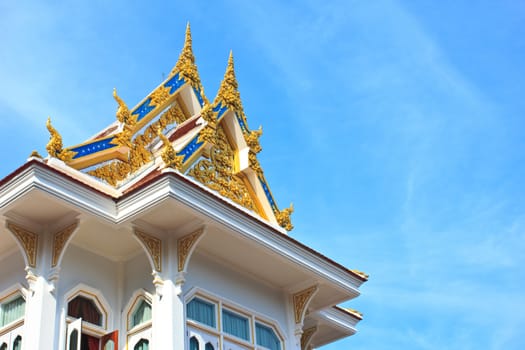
[28, 240]
[153, 246]
[307, 336]
[59, 241]
[184, 246]
[300, 302]
[360, 273]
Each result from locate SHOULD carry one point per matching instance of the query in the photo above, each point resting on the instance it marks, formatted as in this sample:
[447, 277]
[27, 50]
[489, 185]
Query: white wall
[242, 289]
[12, 271]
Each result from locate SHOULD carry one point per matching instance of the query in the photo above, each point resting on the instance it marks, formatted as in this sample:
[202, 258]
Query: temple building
[161, 232]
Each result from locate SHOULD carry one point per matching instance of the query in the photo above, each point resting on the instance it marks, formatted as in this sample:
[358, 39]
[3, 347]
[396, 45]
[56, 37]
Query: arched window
[143, 344]
[84, 308]
[194, 343]
[73, 340]
[3, 346]
[142, 313]
[12, 310]
[17, 344]
[209, 346]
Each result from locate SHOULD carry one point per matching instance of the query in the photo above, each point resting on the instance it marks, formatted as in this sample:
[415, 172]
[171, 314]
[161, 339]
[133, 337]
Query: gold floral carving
[284, 218]
[153, 246]
[306, 337]
[55, 147]
[160, 95]
[184, 245]
[139, 154]
[186, 64]
[28, 240]
[217, 172]
[254, 163]
[301, 301]
[209, 133]
[59, 242]
[252, 140]
[169, 155]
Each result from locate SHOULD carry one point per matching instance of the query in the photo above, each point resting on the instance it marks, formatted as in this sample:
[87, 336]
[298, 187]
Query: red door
[110, 341]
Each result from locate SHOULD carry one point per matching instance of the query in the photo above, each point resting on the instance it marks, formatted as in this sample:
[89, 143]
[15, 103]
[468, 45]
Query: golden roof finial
[228, 91]
[55, 147]
[186, 64]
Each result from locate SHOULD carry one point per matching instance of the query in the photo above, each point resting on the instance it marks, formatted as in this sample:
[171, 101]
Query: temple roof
[176, 127]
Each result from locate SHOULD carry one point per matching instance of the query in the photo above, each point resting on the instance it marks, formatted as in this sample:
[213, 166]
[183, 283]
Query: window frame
[100, 302]
[221, 304]
[7, 296]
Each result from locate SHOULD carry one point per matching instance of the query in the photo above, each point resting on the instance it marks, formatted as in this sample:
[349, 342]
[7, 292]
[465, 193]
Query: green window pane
[201, 311]
[266, 337]
[235, 324]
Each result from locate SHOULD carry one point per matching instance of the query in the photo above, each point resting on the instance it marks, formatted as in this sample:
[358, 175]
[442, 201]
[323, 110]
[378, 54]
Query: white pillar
[168, 317]
[40, 320]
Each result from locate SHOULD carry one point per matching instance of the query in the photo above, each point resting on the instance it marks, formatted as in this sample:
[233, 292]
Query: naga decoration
[55, 147]
[284, 218]
[124, 116]
[169, 155]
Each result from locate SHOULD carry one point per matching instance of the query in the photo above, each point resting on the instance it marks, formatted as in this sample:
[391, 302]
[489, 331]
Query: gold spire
[228, 91]
[55, 147]
[186, 64]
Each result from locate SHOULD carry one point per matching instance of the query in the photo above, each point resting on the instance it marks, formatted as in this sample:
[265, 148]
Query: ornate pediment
[176, 126]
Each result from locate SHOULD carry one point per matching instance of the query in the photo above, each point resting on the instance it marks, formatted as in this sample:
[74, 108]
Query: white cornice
[37, 176]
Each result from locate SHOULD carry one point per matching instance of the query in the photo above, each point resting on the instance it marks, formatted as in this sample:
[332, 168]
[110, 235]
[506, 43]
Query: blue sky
[395, 127]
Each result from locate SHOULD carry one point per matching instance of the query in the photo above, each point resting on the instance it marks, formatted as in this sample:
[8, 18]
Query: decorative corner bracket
[60, 240]
[307, 336]
[301, 300]
[185, 247]
[28, 242]
[153, 247]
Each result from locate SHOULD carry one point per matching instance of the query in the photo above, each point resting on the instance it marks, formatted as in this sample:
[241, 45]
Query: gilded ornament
[301, 301]
[160, 95]
[284, 218]
[184, 245]
[138, 154]
[209, 132]
[59, 241]
[55, 147]
[186, 65]
[153, 246]
[254, 163]
[307, 336]
[217, 172]
[35, 154]
[169, 155]
[124, 116]
[228, 91]
[112, 172]
[252, 140]
[28, 240]
[123, 113]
